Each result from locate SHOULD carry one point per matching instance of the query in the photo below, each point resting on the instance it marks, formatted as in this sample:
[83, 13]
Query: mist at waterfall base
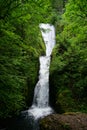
[29, 119]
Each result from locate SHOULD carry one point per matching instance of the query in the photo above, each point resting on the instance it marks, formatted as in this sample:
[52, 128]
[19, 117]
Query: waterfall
[40, 106]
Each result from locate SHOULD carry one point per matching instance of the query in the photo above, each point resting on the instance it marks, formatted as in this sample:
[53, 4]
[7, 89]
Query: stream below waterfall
[29, 119]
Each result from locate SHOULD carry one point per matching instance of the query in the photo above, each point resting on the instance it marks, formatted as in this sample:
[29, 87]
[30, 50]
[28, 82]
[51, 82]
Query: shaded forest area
[68, 73]
[21, 45]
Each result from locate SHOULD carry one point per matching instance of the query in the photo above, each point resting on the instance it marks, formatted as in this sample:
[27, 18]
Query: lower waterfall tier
[37, 112]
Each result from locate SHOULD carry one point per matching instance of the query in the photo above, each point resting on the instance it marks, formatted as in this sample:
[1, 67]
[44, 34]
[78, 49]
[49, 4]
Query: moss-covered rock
[66, 101]
[63, 97]
[67, 121]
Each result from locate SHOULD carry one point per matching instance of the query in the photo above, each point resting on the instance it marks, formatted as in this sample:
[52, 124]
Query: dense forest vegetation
[21, 45]
[69, 61]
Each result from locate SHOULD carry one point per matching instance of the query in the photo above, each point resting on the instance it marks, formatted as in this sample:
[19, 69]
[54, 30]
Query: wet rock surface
[67, 121]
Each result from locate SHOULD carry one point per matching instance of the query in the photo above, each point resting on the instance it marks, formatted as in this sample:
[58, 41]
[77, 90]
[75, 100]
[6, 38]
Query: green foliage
[69, 60]
[20, 47]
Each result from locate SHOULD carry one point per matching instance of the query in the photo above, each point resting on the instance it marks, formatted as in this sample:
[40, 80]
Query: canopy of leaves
[69, 61]
[20, 46]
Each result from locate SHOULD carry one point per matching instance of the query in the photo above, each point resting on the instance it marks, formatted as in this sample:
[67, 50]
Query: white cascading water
[40, 106]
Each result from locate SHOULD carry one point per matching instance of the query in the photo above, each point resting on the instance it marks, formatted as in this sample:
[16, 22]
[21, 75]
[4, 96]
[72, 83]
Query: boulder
[67, 121]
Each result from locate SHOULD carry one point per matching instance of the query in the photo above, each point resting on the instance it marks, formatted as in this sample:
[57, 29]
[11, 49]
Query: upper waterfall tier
[48, 34]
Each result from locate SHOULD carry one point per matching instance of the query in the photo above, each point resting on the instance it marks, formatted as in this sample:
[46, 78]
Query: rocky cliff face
[68, 121]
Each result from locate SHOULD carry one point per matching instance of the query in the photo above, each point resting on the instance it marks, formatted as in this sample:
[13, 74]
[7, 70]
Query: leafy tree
[20, 47]
[69, 58]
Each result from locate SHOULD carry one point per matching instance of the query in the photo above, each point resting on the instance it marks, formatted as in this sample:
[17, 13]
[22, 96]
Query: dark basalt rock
[67, 121]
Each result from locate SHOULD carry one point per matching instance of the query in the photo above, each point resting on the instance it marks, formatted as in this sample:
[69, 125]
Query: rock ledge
[67, 121]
